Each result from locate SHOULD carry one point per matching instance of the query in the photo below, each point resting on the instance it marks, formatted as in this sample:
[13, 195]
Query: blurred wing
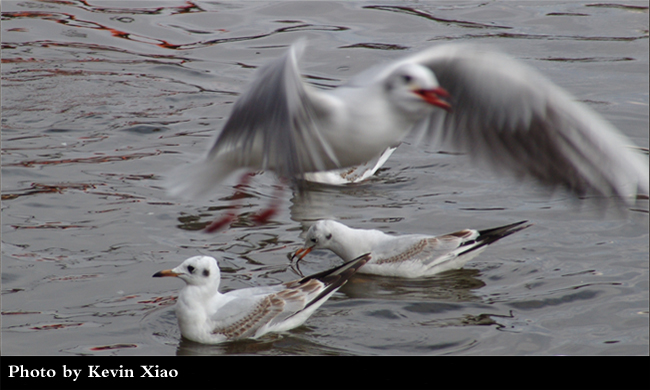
[274, 124]
[511, 117]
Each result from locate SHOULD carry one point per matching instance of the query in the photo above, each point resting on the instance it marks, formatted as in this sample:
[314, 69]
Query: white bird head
[196, 271]
[320, 234]
[323, 234]
[415, 89]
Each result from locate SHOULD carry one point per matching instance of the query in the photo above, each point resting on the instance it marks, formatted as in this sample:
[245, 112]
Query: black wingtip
[337, 277]
[353, 265]
[503, 231]
[489, 236]
[323, 276]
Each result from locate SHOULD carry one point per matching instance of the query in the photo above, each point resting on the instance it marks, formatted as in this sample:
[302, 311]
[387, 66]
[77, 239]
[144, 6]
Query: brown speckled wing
[266, 309]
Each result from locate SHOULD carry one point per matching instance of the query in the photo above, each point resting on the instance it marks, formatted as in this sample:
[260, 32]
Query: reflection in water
[450, 286]
[292, 343]
[240, 347]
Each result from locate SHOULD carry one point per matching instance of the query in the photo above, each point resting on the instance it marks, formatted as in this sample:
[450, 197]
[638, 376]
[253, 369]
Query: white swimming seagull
[209, 317]
[407, 256]
[353, 174]
[480, 101]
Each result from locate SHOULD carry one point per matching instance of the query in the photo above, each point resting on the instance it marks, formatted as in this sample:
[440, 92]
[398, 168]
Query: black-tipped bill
[164, 273]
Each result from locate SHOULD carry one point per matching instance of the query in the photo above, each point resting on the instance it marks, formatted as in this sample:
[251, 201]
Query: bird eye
[206, 272]
[329, 236]
[407, 78]
[190, 269]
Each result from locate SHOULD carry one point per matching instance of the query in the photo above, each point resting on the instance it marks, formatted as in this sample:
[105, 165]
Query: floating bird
[498, 110]
[209, 317]
[407, 256]
[351, 175]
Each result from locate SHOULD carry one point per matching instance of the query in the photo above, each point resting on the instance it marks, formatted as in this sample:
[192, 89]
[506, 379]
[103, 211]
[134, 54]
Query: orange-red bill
[434, 97]
[164, 273]
[300, 253]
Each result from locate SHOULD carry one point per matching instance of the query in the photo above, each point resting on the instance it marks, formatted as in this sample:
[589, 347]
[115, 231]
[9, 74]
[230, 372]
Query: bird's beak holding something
[434, 97]
[300, 253]
[164, 273]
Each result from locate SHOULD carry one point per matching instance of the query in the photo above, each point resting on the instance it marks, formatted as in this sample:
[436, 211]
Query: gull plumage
[481, 101]
[207, 316]
[354, 174]
[407, 256]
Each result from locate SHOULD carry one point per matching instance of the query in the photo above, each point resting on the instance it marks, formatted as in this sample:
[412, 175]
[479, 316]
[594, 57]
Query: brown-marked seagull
[406, 256]
[498, 110]
[207, 316]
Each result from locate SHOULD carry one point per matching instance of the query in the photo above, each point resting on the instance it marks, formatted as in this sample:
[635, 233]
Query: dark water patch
[85, 160]
[375, 46]
[52, 225]
[384, 314]
[589, 59]
[566, 14]
[546, 37]
[38, 188]
[111, 347]
[61, 130]
[484, 319]
[431, 307]
[535, 304]
[622, 6]
[146, 129]
[429, 16]
[483, 208]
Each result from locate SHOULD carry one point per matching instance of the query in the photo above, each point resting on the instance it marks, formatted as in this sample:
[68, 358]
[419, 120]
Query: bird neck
[354, 243]
[193, 296]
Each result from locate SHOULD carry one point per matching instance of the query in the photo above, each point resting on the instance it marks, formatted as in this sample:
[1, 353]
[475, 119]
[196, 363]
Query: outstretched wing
[511, 117]
[273, 124]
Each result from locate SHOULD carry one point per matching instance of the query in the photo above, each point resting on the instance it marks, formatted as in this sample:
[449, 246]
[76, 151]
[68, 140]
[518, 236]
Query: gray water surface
[100, 100]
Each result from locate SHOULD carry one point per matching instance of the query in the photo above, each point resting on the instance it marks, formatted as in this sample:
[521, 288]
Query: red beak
[433, 96]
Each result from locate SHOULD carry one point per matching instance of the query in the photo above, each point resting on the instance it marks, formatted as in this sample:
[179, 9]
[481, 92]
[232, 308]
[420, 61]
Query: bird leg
[263, 217]
[220, 223]
[259, 218]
